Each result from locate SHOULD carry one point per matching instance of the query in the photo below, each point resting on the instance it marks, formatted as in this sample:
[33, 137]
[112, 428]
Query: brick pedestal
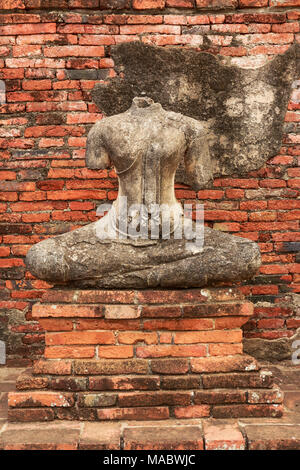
[144, 355]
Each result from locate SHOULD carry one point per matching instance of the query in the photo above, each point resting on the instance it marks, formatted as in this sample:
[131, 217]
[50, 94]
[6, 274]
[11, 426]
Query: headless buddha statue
[145, 239]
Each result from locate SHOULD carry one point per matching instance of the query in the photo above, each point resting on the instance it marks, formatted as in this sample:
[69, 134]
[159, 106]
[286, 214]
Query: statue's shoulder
[187, 124]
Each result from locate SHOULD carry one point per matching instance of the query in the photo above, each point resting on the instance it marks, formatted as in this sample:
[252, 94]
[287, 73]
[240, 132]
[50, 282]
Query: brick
[223, 437]
[281, 160]
[253, 205]
[216, 310]
[132, 399]
[69, 352]
[187, 296]
[247, 411]
[238, 183]
[44, 311]
[39, 399]
[62, 436]
[219, 396]
[96, 400]
[124, 383]
[286, 28]
[100, 436]
[137, 337]
[91, 324]
[115, 352]
[72, 384]
[27, 415]
[174, 19]
[185, 383]
[224, 364]
[293, 15]
[272, 437]
[74, 51]
[224, 336]
[284, 3]
[165, 337]
[266, 215]
[224, 349]
[52, 367]
[178, 324]
[210, 194]
[253, 3]
[161, 311]
[52, 131]
[26, 50]
[179, 3]
[83, 4]
[121, 312]
[26, 381]
[256, 18]
[8, 30]
[140, 29]
[80, 337]
[73, 195]
[273, 395]
[171, 351]
[216, 5]
[192, 411]
[229, 322]
[138, 414]
[169, 366]
[89, 296]
[163, 438]
[148, 4]
[262, 379]
[11, 4]
[111, 367]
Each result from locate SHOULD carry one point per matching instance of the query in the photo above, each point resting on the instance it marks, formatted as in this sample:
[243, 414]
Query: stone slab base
[146, 435]
[144, 355]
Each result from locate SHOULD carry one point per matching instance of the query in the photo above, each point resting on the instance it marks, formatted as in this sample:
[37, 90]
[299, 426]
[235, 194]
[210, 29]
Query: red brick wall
[52, 53]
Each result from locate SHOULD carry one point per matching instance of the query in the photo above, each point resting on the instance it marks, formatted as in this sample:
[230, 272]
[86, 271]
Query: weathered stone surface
[124, 383]
[161, 263]
[243, 109]
[30, 414]
[223, 437]
[26, 381]
[126, 366]
[154, 398]
[170, 366]
[270, 437]
[174, 383]
[100, 436]
[240, 362]
[95, 400]
[219, 396]
[271, 350]
[164, 438]
[262, 379]
[274, 395]
[247, 411]
[50, 436]
[37, 399]
[72, 384]
[138, 414]
[52, 367]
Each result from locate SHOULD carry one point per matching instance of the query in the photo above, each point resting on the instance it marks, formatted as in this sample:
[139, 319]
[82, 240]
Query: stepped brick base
[144, 355]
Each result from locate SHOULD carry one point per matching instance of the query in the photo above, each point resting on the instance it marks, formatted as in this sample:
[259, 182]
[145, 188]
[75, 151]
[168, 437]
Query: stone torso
[145, 145]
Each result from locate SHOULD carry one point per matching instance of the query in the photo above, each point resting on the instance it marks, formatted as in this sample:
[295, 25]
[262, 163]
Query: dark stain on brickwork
[243, 109]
